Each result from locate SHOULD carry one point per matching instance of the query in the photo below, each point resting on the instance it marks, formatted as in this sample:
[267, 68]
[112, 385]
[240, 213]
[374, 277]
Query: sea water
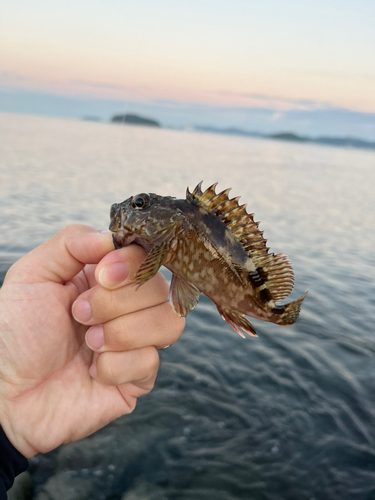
[287, 415]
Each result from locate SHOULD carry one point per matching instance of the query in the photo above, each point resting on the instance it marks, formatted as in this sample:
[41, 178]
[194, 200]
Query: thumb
[62, 256]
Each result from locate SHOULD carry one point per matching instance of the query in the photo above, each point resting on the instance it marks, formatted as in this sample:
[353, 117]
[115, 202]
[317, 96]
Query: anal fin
[183, 295]
[237, 321]
[154, 260]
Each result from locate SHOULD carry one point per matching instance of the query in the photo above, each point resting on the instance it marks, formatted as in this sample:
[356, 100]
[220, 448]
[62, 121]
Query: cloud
[100, 85]
[16, 81]
[275, 101]
[341, 75]
[11, 78]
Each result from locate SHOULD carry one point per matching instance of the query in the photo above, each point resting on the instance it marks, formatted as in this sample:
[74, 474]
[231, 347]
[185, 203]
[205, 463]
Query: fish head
[147, 219]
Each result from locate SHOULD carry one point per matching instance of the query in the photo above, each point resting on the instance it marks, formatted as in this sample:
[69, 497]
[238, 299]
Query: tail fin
[290, 312]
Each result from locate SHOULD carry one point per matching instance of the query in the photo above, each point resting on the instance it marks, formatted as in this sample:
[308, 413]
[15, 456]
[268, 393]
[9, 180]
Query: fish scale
[212, 246]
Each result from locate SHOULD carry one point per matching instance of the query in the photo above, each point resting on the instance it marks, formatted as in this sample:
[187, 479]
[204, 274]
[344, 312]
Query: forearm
[12, 463]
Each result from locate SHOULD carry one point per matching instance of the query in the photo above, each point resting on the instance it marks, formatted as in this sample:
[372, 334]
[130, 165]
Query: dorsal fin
[274, 271]
[195, 195]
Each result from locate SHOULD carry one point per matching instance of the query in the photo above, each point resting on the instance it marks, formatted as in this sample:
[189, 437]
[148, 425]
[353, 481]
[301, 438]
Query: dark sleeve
[12, 463]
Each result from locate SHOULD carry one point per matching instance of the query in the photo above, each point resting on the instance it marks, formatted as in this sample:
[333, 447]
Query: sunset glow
[277, 55]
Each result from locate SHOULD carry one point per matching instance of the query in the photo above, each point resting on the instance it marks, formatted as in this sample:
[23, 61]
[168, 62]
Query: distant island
[135, 120]
[281, 136]
[227, 131]
[290, 136]
[287, 136]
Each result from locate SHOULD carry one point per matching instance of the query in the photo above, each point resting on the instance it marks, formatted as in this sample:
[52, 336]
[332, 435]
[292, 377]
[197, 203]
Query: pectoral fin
[155, 259]
[237, 321]
[183, 296]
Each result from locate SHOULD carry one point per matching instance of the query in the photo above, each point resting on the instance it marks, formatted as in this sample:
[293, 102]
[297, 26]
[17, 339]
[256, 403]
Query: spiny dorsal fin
[196, 194]
[274, 271]
[207, 195]
[218, 199]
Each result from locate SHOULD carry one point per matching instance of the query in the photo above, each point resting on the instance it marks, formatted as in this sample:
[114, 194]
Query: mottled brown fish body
[212, 246]
[213, 267]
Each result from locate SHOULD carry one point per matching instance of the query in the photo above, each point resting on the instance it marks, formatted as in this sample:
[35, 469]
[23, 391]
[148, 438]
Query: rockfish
[212, 246]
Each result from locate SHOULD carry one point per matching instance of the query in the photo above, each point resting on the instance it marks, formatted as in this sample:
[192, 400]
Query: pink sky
[220, 53]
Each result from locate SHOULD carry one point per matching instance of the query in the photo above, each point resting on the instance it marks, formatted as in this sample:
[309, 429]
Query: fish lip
[118, 238]
[120, 235]
[114, 225]
[123, 238]
[115, 218]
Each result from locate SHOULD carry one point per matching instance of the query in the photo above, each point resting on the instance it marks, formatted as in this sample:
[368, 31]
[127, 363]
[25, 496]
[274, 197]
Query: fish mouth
[118, 238]
[115, 218]
[123, 238]
[116, 226]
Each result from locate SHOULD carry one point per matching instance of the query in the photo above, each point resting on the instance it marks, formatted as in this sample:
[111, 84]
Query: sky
[260, 66]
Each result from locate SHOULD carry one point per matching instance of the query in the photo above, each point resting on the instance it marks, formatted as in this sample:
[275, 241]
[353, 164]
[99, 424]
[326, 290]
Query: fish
[212, 246]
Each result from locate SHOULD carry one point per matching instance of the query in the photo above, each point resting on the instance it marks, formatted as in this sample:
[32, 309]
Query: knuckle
[106, 369]
[117, 337]
[11, 273]
[72, 228]
[150, 368]
[152, 359]
[71, 231]
[131, 405]
[166, 322]
[173, 323]
[161, 286]
[103, 304]
[130, 400]
[67, 230]
[151, 383]
[17, 271]
[177, 326]
[132, 251]
[66, 233]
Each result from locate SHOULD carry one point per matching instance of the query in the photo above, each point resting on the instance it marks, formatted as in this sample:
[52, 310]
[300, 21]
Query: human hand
[53, 388]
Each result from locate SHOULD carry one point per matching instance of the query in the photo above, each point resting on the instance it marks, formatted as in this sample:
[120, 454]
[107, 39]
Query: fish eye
[141, 201]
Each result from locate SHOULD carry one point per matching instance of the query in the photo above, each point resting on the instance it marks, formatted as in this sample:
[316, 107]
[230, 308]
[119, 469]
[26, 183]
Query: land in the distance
[132, 119]
[290, 136]
[135, 120]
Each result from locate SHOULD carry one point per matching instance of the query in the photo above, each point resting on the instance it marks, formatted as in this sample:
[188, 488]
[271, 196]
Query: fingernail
[82, 311]
[95, 337]
[113, 275]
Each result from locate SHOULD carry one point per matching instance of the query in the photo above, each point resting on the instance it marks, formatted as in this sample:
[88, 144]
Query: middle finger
[99, 305]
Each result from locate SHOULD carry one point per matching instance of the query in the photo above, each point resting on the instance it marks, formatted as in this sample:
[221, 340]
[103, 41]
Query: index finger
[61, 257]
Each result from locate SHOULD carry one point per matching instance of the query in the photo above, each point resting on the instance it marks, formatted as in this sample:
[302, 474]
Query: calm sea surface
[289, 415]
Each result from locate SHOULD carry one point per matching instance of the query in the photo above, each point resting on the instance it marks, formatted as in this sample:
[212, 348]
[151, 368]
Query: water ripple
[287, 415]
